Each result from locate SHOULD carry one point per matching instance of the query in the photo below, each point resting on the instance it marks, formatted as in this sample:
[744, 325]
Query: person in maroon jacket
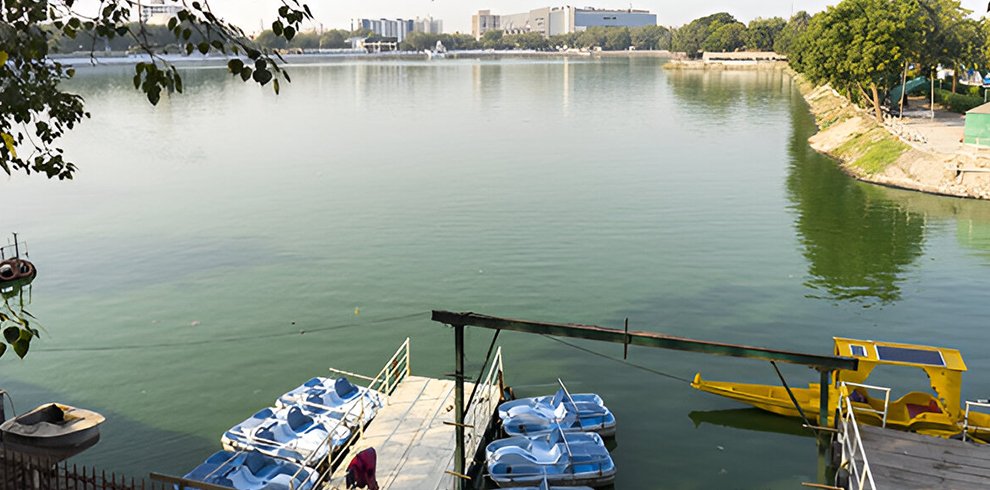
[361, 471]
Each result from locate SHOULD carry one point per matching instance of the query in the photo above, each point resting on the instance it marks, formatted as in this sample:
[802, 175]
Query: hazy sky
[456, 14]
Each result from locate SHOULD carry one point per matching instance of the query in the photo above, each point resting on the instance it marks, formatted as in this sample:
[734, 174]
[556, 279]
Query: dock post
[459, 404]
[823, 401]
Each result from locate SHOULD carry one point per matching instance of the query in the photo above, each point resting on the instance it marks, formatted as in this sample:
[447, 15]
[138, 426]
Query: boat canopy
[943, 366]
[920, 356]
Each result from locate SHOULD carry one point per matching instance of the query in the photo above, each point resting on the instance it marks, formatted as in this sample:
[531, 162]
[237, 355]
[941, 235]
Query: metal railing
[886, 401]
[396, 369]
[966, 425]
[853, 453]
[31, 472]
[488, 395]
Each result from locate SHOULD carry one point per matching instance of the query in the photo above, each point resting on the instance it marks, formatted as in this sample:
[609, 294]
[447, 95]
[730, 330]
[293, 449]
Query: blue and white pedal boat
[252, 471]
[527, 421]
[286, 433]
[559, 458]
[585, 412]
[329, 395]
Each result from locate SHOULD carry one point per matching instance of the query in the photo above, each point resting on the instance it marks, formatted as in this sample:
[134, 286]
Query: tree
[689, 38]
[728, 37]
[861, 44]
[951, 39]
[35, 111]
[335, 39]
[795, 27]
[617, 39]
[651, 37]
[528, 40]
[593, 37]
[761, 34]
[493, 40]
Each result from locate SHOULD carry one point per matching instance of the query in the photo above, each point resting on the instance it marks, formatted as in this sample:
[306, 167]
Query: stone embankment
[915, 153]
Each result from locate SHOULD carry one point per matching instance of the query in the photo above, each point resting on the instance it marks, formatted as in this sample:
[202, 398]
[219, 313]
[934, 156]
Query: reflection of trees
[857, 241]
[719, 92]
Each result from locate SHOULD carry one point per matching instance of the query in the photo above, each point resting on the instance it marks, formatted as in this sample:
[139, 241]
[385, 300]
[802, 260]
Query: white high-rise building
[428, 25]
[551, 21]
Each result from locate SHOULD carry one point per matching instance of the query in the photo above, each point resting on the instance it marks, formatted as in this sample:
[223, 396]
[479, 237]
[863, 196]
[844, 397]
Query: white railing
[396, 369]
[853, 453]
[886, 401]
[966, 426]
[488, 395]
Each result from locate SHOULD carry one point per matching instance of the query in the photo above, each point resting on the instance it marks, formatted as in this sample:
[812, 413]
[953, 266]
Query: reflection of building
[428, 25]
[391, 28]
[158, 12]
[559, 20]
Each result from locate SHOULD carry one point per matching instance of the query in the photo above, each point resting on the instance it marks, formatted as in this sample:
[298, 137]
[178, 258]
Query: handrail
[485, 404]
[385, 382]
[853, 452]
[886, 400]
[966, 426]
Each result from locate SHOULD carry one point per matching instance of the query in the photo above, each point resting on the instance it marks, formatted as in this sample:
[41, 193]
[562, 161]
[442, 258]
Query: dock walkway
[908, 461]
[412, 436]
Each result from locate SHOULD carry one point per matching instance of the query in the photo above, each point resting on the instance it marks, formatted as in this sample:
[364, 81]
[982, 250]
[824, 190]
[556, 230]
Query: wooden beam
[645, 339]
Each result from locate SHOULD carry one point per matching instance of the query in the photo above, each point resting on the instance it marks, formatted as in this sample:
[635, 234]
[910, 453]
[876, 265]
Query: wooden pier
[878, 458]
[414, 435]
[909, 461]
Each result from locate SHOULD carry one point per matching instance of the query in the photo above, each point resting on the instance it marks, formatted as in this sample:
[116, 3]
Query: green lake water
[200, 237]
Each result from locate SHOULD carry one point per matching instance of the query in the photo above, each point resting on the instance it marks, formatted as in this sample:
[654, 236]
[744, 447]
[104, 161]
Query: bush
[957, 102]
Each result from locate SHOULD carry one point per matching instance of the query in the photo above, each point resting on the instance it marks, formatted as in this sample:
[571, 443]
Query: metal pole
[459, 403]
[17, 250]
[823, 402]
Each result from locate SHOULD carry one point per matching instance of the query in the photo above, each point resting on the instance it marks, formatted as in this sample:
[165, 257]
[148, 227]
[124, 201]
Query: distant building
[429, 25]
[158, 12]
[390, 28]
[559, 20]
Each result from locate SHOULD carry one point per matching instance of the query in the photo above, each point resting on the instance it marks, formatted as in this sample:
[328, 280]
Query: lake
[200, 237]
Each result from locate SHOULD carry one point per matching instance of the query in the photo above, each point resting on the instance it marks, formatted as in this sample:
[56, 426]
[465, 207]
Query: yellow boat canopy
[920, 356]
[944, 367]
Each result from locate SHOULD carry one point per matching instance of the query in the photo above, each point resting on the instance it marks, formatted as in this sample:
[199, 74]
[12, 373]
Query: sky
[456, 14]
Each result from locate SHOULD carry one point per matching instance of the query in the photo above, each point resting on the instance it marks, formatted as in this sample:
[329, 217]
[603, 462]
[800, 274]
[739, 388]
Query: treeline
[864, 48]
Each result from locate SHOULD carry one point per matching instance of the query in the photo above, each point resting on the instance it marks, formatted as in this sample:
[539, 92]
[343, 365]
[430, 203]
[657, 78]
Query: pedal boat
[285, 433]
[329, 395]
[558, 458]
[252, 471]
[941, 413]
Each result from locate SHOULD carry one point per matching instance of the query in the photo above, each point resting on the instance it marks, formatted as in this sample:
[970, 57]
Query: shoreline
[888, 154]
[81, 60]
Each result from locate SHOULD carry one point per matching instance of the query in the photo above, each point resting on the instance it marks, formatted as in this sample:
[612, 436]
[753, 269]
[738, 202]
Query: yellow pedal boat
[941, 413]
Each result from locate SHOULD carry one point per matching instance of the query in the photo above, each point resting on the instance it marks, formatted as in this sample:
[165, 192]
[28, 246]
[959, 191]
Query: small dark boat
[53, 430]
[16, 269]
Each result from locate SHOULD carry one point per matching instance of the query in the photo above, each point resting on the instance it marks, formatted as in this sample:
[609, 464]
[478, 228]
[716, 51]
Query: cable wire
[228, 340]
[621, 361]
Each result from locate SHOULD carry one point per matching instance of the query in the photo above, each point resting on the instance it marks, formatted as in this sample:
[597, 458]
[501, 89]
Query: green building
[978, 126]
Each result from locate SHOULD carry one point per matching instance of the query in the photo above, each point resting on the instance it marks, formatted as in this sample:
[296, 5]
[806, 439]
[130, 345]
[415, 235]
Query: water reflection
[750, 419]
[858, 242]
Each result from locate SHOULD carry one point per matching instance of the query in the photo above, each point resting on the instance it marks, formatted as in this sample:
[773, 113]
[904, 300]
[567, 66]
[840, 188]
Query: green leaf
[262, 76]
[172, 23]
[3, 57]
[3, 348]
[275, 86]
[154, 95]
[277, 27]
[8, 141]
[246, 73]
[71, 72]
[204, 47]
[235, 65]
[260, 64]
[11, 334]
[290, 32]
[21, 347]
[178, 83]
